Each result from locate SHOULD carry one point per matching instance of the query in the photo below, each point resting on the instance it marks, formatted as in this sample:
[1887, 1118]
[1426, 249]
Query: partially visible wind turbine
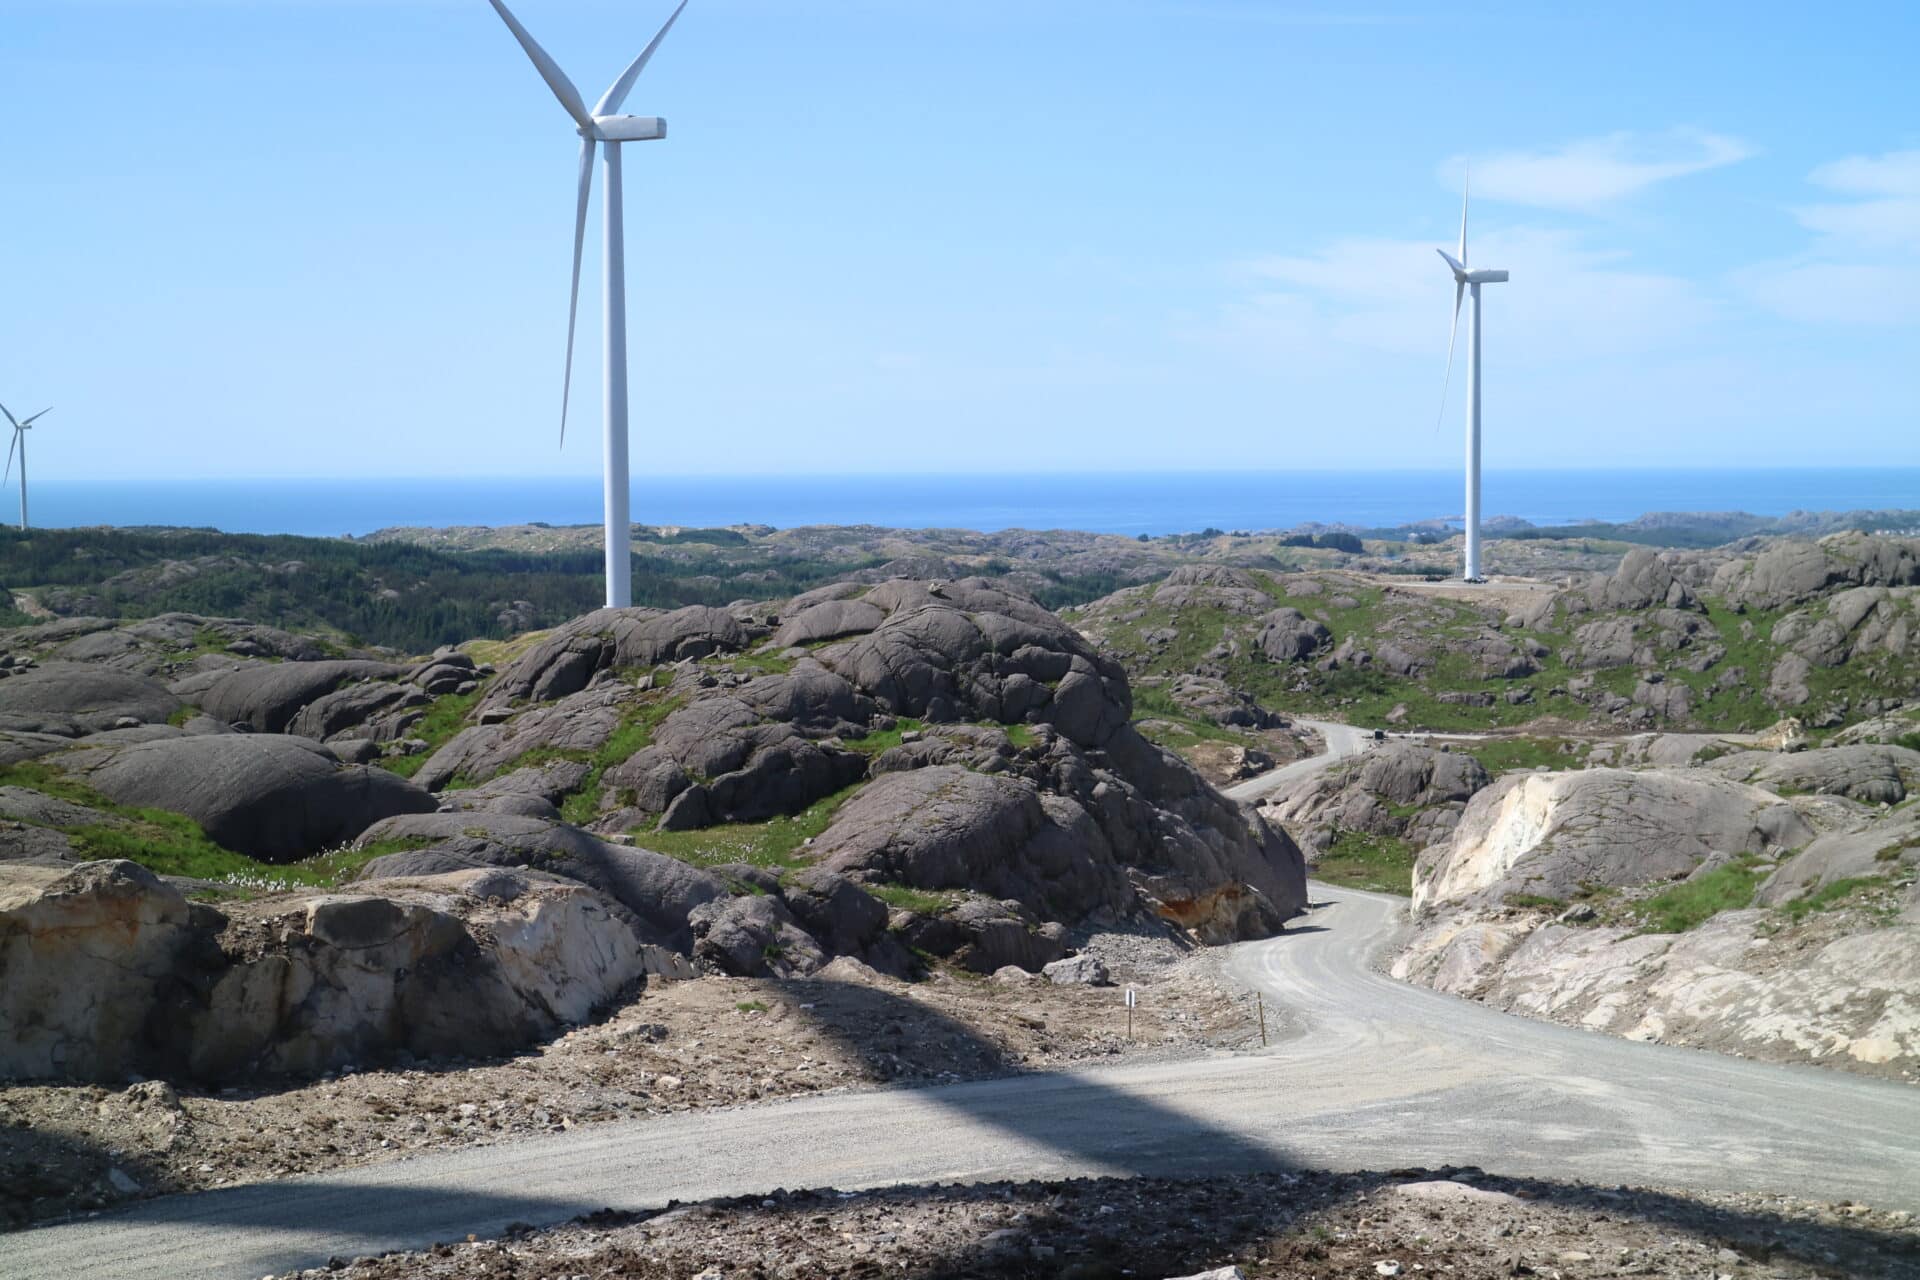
[20, 429]
[1465, 279]
[601, 125]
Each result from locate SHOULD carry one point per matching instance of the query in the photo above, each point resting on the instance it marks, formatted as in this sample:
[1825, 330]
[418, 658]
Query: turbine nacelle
[625, 129]
[1468, 275]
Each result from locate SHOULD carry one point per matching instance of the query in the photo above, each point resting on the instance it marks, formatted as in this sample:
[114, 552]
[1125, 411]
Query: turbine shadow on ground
[1051, 1128]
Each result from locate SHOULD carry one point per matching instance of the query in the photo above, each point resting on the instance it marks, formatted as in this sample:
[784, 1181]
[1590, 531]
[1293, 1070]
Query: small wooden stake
[1261, 1004]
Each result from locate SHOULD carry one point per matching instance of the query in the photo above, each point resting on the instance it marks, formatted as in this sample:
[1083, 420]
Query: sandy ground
[1454, 1223]
[711, 1042]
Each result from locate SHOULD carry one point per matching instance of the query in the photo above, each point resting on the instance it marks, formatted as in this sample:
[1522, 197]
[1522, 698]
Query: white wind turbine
[20, 429]
[601, 125]
[1465, 279]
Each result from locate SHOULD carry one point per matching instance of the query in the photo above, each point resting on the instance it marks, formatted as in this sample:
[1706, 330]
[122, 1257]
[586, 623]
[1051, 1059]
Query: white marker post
[1133, 998]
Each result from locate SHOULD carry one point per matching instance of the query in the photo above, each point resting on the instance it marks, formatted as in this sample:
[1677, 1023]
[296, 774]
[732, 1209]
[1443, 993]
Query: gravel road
[1367, 1073]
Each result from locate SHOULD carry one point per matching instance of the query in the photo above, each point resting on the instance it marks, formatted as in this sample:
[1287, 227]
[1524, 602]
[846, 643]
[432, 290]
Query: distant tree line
[1346, 542]
[401, 595]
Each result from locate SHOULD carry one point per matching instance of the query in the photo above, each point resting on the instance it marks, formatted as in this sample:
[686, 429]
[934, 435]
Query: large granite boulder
[95, 962]
[563, 662]
[1551, 835]
[968, 650]
[1287, 635]
[275, 798]
[1883, 848]
[69, 699]
[1402, 790]
[947, 828]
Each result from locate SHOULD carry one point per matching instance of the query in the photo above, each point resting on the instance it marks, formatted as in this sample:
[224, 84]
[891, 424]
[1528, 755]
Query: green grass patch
[911, 899]
[1693, 902]
[1184, 729]
[172, 844]
[751, 1006]
[886, 739]
[1534, 902]
[1020, 735]
[634, 735]
[1829, 896]
[446, 717]
[1504, 755]
[766, 664]
[776, 843]
[1355, 860]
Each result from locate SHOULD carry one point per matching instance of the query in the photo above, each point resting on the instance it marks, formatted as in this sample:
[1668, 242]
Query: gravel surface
[712, 1042]
[1450, 1222]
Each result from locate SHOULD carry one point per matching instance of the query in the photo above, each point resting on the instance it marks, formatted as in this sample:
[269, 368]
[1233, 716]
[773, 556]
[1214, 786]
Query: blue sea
[1127, 503]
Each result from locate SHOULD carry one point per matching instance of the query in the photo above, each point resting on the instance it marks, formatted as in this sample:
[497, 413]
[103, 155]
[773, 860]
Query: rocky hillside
[901, 773]
[1756, 902]
[1727, 639]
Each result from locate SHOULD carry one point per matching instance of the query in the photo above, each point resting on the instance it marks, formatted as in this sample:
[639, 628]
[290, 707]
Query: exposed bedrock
[107, 970]
[70, 699]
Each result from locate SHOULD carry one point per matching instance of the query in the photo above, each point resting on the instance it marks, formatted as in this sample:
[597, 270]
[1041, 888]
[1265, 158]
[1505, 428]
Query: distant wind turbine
[602, 126]
[20, 429]
[1465, 279]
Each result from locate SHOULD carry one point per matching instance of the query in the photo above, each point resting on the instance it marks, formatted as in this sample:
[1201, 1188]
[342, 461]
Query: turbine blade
[1459, 267]
[36, 417]
[1466, 181]
[10, 448]
[549, 69]
[1453, 334]
[573, 298]
[624, 85]
[10, 418]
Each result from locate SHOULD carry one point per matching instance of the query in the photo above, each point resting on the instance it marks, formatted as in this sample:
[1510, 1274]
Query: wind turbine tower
[19, 445]
[1467, 280]
[602, 126]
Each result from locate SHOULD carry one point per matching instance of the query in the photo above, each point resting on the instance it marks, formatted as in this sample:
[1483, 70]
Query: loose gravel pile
[1456, 1223]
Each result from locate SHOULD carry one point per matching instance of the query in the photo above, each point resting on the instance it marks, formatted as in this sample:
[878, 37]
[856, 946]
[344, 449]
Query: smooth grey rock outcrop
[274, 798]
[269, 695]
[69, 699]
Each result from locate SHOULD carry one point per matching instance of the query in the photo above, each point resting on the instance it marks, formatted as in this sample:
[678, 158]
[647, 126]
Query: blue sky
[330, 237]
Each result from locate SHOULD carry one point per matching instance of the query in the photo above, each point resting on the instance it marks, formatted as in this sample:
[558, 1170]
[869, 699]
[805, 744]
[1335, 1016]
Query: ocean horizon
[1098, 502]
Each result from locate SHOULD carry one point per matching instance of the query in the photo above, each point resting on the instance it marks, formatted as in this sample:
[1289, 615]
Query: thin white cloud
[1863, 267]
[1572, 302]
[1595, 172]
[1888, 214]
